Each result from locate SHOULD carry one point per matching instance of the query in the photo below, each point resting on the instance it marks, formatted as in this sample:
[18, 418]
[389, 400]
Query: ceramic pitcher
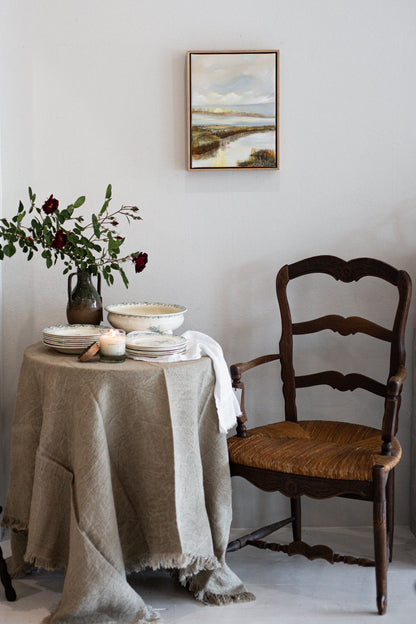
[84, 301]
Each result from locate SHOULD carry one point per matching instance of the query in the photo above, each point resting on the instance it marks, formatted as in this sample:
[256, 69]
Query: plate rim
[180, 340]
[181, 309]
[100, 329]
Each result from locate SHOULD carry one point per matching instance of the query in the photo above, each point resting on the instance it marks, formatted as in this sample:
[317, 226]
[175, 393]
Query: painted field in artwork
[233, 110]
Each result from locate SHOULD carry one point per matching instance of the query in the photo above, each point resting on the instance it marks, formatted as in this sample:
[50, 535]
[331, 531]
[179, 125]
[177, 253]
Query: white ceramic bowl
[145, 316]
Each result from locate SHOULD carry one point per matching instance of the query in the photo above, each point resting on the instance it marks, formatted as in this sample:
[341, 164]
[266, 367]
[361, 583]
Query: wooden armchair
[321, 458]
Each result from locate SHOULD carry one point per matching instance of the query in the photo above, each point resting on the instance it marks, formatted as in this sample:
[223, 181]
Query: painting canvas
[233, 100]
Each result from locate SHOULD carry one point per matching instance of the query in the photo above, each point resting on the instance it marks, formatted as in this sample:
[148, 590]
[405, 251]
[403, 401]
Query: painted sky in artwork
[233, 79]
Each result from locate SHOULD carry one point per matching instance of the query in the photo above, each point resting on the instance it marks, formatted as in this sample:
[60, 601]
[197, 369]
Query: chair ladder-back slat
[344, 326]
[341, 382]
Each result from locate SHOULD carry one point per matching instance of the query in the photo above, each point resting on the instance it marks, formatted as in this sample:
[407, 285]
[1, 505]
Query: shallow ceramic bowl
[158, 317]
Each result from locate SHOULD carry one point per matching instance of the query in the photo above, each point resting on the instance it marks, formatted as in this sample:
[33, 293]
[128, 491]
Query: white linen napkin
[226, 402]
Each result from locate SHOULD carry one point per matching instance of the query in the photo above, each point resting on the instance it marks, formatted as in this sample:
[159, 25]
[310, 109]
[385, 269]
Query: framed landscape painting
[233, 110]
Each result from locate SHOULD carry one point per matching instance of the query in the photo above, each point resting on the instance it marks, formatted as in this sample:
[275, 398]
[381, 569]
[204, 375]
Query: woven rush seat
[314, 448]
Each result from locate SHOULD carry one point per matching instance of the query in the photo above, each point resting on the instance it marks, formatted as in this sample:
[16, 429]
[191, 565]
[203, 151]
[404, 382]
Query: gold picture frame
[233, 110]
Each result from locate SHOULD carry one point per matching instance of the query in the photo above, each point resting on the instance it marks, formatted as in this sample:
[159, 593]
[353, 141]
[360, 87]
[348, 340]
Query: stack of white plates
[72, 338]
[152, 344]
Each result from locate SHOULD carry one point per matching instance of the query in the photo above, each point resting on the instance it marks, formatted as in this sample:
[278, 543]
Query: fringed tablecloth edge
[14, 524]
[50, 565]
[210, 598]
[192, 564]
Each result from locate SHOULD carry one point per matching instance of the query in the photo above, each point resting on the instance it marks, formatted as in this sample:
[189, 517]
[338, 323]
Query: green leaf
[79, 201]
[32, 203]
[30, 255]
[49, 262]
[96, 226]
[113, 246]
[9, 250]
[90, 256]
[108, 192]
[124, 276]
[37, 227]
[21, 207]
[104, 207]
[5, 222]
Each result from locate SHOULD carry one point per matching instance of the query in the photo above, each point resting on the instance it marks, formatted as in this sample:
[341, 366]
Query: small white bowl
[145, 316]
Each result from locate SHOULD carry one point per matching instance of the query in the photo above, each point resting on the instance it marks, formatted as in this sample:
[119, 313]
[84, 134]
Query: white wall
[93, 92]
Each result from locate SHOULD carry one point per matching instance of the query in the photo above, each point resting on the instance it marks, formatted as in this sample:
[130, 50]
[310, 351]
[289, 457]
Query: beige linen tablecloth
[116, 467]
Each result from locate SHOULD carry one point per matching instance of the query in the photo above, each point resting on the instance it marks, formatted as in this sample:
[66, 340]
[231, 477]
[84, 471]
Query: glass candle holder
[113, 346]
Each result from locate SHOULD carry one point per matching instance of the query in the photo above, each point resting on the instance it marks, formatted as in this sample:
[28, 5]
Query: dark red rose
[50, 205]
[140, 261]
[59, 241]
[114, 222]
[30, 239]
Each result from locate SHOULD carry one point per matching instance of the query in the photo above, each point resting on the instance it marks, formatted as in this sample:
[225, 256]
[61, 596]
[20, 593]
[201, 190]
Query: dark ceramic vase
[84, 301]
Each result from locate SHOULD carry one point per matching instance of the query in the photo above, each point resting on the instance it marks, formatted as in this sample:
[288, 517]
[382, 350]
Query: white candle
[113, 343]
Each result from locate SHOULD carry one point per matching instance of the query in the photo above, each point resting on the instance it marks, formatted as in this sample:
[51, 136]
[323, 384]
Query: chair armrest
[238, 369]
[395, 383]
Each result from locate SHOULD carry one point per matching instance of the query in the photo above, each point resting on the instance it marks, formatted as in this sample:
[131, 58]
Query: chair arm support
[238, 369]
[395, 383]
[391, 409]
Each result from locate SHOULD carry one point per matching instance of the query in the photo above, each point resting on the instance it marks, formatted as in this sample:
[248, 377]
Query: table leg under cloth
[120, 481]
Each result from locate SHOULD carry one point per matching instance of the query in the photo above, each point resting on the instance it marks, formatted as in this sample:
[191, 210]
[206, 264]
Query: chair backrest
[350, 271]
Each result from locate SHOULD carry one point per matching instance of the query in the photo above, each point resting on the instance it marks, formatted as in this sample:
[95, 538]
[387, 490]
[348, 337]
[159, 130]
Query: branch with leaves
[63, 235]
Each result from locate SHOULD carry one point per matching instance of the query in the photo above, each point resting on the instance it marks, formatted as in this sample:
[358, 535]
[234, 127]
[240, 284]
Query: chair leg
[390, 512]
[380, 536]
[295, 509]
[5, 579]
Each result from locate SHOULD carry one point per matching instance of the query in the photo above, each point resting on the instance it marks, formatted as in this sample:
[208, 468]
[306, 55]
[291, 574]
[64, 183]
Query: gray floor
[288, 589]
